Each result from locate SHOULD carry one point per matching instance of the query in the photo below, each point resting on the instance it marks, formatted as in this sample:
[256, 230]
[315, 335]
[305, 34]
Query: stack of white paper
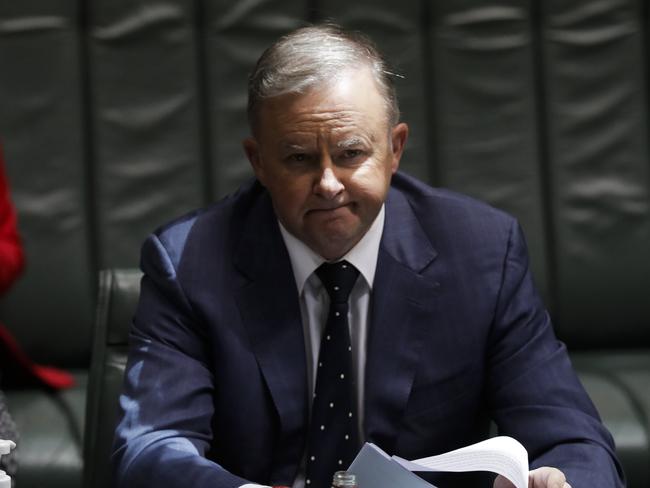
[502, 455]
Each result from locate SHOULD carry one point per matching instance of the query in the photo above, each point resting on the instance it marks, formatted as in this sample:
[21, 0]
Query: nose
[328, 185]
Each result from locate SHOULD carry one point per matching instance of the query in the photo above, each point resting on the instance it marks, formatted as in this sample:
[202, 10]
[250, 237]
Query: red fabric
[12, 259]
[17, 369]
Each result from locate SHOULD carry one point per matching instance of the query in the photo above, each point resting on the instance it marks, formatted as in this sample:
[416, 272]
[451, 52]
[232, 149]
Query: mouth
[329, 210]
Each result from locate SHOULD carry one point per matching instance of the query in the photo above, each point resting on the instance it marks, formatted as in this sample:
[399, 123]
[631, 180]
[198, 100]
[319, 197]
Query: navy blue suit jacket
[215, 391]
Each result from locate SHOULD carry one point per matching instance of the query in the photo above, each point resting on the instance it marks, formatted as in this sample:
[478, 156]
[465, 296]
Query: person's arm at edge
[535, 396]
[166, 403]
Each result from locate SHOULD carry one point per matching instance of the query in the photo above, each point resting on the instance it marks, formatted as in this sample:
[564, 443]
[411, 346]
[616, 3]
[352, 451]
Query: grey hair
[313, 56]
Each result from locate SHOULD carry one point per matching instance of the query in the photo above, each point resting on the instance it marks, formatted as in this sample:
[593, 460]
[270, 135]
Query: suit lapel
[403, 302]
[270, 311]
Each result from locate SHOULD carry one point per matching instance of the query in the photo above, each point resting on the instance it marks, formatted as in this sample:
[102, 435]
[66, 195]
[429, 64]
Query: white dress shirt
[314, 306]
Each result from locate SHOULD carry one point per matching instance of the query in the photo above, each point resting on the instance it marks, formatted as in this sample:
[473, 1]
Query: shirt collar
[362, 256]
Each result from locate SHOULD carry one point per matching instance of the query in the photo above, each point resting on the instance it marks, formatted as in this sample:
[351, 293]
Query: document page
[376, 469]
[502, 455]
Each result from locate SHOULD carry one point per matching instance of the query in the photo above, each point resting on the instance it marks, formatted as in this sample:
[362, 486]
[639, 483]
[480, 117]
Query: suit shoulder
[455, 225]
[445, 203]
[215, 220]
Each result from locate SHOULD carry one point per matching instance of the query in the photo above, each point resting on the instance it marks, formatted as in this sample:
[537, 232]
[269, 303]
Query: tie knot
[338, 279]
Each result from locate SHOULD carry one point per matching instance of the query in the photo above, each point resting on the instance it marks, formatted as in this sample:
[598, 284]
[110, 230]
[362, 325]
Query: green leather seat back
[119, 292]
[117, 116]
[42, 127]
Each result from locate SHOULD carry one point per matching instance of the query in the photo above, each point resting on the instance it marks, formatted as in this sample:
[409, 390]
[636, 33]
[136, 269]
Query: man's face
[326, 157]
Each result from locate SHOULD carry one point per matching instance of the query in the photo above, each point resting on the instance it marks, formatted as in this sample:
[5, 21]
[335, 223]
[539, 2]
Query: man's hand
[538, 478]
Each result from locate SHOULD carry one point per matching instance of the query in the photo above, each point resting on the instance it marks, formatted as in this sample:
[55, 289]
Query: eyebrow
[293, 147]
[351, 142]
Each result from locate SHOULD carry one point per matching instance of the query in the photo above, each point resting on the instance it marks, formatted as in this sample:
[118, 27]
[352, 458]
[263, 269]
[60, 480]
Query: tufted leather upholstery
[117, 115]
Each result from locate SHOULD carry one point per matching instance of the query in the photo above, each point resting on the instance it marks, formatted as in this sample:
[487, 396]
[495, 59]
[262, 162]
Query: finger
[547, 477]
[502, 482]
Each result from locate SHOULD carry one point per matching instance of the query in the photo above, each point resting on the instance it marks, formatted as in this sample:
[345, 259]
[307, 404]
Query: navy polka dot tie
[333, 433]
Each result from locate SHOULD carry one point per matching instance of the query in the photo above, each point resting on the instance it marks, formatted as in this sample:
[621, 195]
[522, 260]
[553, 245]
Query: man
[237, 320]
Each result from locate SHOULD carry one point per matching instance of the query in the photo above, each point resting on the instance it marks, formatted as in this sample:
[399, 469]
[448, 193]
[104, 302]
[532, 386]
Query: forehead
[351, 103]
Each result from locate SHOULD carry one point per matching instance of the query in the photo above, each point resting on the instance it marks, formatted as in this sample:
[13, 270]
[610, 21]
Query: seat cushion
[619, 384]
[51, 434]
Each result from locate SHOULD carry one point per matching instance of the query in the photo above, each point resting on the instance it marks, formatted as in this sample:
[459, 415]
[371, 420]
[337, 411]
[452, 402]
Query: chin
[333, 246]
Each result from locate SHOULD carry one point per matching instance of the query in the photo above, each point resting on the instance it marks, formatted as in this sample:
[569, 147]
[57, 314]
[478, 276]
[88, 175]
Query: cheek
[289, 197]
[372, 182]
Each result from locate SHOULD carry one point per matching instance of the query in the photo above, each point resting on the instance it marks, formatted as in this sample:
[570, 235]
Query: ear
[252, 150]
[398, 136]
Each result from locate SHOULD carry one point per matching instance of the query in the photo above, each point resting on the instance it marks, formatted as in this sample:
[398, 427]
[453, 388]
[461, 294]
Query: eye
[297, 158]
[352, 153]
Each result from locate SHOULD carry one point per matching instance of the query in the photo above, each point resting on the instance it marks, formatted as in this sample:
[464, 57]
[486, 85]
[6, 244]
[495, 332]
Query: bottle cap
[344, 479]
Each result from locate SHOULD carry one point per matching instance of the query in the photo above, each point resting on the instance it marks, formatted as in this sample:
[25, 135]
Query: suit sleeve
[534, 393]
[166, 403]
